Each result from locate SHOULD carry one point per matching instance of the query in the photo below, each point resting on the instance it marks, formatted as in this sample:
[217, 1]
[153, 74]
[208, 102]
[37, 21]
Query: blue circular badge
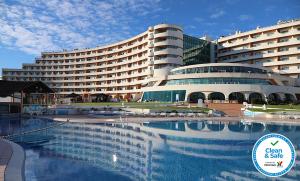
[273, 155]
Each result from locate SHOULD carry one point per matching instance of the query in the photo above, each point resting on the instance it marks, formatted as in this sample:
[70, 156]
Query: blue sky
[28, 27]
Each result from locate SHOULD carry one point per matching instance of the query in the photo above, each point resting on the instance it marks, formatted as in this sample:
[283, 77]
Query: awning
[7, 88]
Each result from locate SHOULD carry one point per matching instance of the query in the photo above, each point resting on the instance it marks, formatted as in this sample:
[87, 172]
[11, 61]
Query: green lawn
[267, 111]
[280, 108]
[157, 106]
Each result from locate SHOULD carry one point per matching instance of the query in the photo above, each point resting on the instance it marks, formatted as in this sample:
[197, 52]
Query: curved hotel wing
[119, 69]
[222, 81]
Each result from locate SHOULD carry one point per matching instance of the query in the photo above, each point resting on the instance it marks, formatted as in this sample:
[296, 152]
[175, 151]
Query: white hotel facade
[119, 69]
[151, 64]
[276, 47]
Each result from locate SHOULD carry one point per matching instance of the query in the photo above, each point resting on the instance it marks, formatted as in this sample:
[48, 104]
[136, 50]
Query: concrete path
[5, 155]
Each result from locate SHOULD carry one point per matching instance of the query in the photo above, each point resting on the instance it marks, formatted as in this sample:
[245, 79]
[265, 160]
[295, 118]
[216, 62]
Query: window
[284, 68]
[270, 34]
[257, 53]
[245, 47]
[282, 49]
[231, 41]
[283, 30]
[173, 29]
[217, 80]
[165, 96]
[284, 58]
[270, 42]
[172, 38]
[259, 62]
[217, 69]
[255, 36]
[270, 51]
[268, 60]
[255, 44]
[283, 40]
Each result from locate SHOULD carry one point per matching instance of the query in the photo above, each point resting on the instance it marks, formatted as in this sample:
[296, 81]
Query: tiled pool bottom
[198, 150]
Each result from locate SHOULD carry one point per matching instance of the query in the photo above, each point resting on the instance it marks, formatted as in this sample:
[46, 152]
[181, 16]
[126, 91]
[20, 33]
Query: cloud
[199, 19]
[203, 22]
[245, 17]
[270, 8]
[34, 26]
[217, 14]
[190, 27]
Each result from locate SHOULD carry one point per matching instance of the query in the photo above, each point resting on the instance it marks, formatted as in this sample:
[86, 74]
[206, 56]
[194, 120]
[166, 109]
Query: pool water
[174, 150]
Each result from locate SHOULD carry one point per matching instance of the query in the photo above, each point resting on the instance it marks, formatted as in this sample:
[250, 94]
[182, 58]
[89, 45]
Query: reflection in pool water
[192, 150]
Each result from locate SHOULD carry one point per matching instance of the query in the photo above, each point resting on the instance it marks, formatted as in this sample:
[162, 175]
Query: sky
[29, 27]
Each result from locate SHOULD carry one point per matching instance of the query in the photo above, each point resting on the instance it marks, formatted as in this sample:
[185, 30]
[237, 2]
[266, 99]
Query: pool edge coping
[87, 119]
[15, 167]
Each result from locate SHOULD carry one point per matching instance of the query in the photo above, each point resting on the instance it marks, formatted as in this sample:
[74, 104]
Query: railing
[8, 107]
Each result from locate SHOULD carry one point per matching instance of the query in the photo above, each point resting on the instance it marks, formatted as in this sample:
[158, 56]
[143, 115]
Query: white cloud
[245, 17]
[34, 26]
[269, 8]
[199, 19]
[203, 22]
[190, 27]
[217, 14]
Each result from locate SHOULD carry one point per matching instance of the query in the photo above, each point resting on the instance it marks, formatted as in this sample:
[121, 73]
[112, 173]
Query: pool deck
[12, 157]
[88, 119]
[5, 155]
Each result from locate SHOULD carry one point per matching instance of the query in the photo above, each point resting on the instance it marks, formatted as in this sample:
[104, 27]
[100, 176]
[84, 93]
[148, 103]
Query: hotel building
[163, 62]
[119, 70]
[276, 47]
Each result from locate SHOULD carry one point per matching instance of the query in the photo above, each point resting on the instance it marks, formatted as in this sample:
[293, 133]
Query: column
[247, 96]
[265, 97]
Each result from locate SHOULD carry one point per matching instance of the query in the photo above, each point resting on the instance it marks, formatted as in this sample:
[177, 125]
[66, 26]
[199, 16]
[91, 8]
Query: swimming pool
[174, 150]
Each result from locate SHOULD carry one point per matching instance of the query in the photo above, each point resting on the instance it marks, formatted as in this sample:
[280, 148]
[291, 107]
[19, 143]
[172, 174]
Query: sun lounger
[129, 113]
[190, 115]
[173, 114]
[140, 114]
[201, 114]
[153, 114]
[181, 114]
[163, 114]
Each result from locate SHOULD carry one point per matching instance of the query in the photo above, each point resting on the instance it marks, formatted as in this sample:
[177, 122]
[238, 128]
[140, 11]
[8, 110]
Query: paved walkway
[5, 155]
[227, 108]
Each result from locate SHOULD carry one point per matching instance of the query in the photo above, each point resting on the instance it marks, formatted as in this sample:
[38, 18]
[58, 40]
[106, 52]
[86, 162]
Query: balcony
[178, 43]
[263, 37]
[177, 34]
[169, 51]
